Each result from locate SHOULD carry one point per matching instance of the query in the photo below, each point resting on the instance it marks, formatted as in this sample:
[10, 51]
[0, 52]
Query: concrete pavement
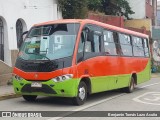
[7, 91]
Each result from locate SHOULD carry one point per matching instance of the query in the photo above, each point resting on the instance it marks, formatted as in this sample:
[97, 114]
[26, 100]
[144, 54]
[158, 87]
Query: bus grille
[44, 89]
[31, 66]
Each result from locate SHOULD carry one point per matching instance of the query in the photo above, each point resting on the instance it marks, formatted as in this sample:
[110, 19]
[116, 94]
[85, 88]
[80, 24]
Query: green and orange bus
[75, 58]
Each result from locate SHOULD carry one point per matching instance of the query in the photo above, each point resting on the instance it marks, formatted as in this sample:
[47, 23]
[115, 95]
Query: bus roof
[85, 21]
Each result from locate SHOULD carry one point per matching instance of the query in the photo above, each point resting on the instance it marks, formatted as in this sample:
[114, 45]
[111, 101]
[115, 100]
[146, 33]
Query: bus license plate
[36, 84]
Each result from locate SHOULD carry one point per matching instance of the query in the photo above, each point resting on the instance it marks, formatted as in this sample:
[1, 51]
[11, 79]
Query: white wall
[31, 12]
[138, 6]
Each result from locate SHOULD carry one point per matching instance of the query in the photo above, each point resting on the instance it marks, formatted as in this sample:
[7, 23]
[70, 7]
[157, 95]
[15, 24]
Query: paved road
[146, 97]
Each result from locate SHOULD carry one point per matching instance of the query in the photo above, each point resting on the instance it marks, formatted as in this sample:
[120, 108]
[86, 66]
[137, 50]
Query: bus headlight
[17, 77]
[63, 78]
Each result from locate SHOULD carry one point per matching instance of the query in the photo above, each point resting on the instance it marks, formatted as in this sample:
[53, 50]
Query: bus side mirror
[21, 38]
[90, 36]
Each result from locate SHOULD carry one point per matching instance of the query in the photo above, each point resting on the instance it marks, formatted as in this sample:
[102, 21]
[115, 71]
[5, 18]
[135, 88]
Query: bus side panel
[144, 75]
[98, 68]
[110, 72]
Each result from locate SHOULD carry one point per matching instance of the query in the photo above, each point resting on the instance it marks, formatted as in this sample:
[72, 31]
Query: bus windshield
[49, 42]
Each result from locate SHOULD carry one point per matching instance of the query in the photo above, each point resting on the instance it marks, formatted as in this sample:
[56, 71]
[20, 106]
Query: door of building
[1, 40]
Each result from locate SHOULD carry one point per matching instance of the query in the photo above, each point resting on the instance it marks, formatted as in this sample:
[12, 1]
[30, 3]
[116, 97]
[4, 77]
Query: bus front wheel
[81, 95]
[131, 86]
[29, 97]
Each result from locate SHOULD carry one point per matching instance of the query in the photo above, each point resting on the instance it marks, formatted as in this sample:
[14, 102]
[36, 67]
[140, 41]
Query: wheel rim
[82, 93]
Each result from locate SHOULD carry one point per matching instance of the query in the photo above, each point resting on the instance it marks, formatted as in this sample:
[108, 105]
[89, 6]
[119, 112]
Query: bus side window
[146, 48]
[93, 46]
[125, 44]
[138, 49]
[109, 44]
[116, 40]
[81, 43]
[88, 46]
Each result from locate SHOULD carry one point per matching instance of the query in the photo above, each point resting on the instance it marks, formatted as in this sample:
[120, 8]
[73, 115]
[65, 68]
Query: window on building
[109, 44]
[1, 40]
[19, 31]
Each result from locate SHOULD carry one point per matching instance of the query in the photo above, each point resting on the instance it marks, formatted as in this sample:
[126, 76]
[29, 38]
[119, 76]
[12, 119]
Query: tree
[117, 7]
[111, 7]
[79, 8]
[73, 8]
[95, 5]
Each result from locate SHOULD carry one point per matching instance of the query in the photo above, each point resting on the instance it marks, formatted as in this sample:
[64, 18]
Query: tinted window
[146, 48]
[96, 43]
[125, 45]
[81, 42]
[109, 44]
[93, 46]
[138, 49]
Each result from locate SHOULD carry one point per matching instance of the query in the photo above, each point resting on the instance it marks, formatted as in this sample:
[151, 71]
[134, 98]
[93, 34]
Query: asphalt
[7, 91]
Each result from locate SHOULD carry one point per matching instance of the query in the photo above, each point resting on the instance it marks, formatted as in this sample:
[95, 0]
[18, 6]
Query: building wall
[158, 13]
[139, 23]
[138, 6]
[29, 12]
[108, 19]
[149, 9]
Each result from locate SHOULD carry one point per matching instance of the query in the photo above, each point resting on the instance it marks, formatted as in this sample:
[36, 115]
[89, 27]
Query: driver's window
[81, 43]
[81, 47]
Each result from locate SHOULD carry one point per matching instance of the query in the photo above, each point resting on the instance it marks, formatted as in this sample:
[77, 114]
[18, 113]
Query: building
[17, 16]
[158, 13]
[144, 9]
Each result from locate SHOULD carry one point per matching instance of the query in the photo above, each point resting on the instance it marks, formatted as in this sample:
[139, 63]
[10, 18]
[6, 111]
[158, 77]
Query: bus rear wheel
[131, 86]
[29, 98]
[81, 95]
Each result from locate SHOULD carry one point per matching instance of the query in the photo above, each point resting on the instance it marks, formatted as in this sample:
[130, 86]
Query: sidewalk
[7, 91]
[155, 75]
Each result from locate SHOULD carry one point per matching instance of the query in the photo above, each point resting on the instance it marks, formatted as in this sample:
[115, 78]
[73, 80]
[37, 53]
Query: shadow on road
[62, 101]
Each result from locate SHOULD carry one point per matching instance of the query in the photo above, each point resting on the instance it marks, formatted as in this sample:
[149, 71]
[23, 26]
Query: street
[146, 97]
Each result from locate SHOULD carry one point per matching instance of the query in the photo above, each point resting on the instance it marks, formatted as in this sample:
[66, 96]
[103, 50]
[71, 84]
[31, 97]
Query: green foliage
[125, 8]
[79, 8]
[73, 8]
[95, 5]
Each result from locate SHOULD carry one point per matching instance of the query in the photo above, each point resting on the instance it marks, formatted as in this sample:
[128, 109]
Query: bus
[78, 57]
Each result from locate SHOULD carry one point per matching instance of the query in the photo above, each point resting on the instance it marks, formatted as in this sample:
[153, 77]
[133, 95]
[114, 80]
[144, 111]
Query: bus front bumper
[66, 88]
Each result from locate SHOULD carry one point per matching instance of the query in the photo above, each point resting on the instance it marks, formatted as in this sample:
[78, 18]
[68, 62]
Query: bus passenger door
[93, 63]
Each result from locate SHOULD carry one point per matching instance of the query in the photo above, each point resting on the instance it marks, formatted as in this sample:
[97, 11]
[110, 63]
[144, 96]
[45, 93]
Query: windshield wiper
[41, 55]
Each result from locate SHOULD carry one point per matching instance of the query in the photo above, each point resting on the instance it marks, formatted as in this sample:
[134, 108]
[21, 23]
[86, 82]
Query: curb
[9, 96]
[155, 76]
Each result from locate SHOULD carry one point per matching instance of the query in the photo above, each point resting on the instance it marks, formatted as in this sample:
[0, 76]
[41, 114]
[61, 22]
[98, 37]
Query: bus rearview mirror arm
[21, 38]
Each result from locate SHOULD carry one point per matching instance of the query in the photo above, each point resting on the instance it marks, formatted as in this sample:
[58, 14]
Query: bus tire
[131, 86]
[29, 98]
[81, 95]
